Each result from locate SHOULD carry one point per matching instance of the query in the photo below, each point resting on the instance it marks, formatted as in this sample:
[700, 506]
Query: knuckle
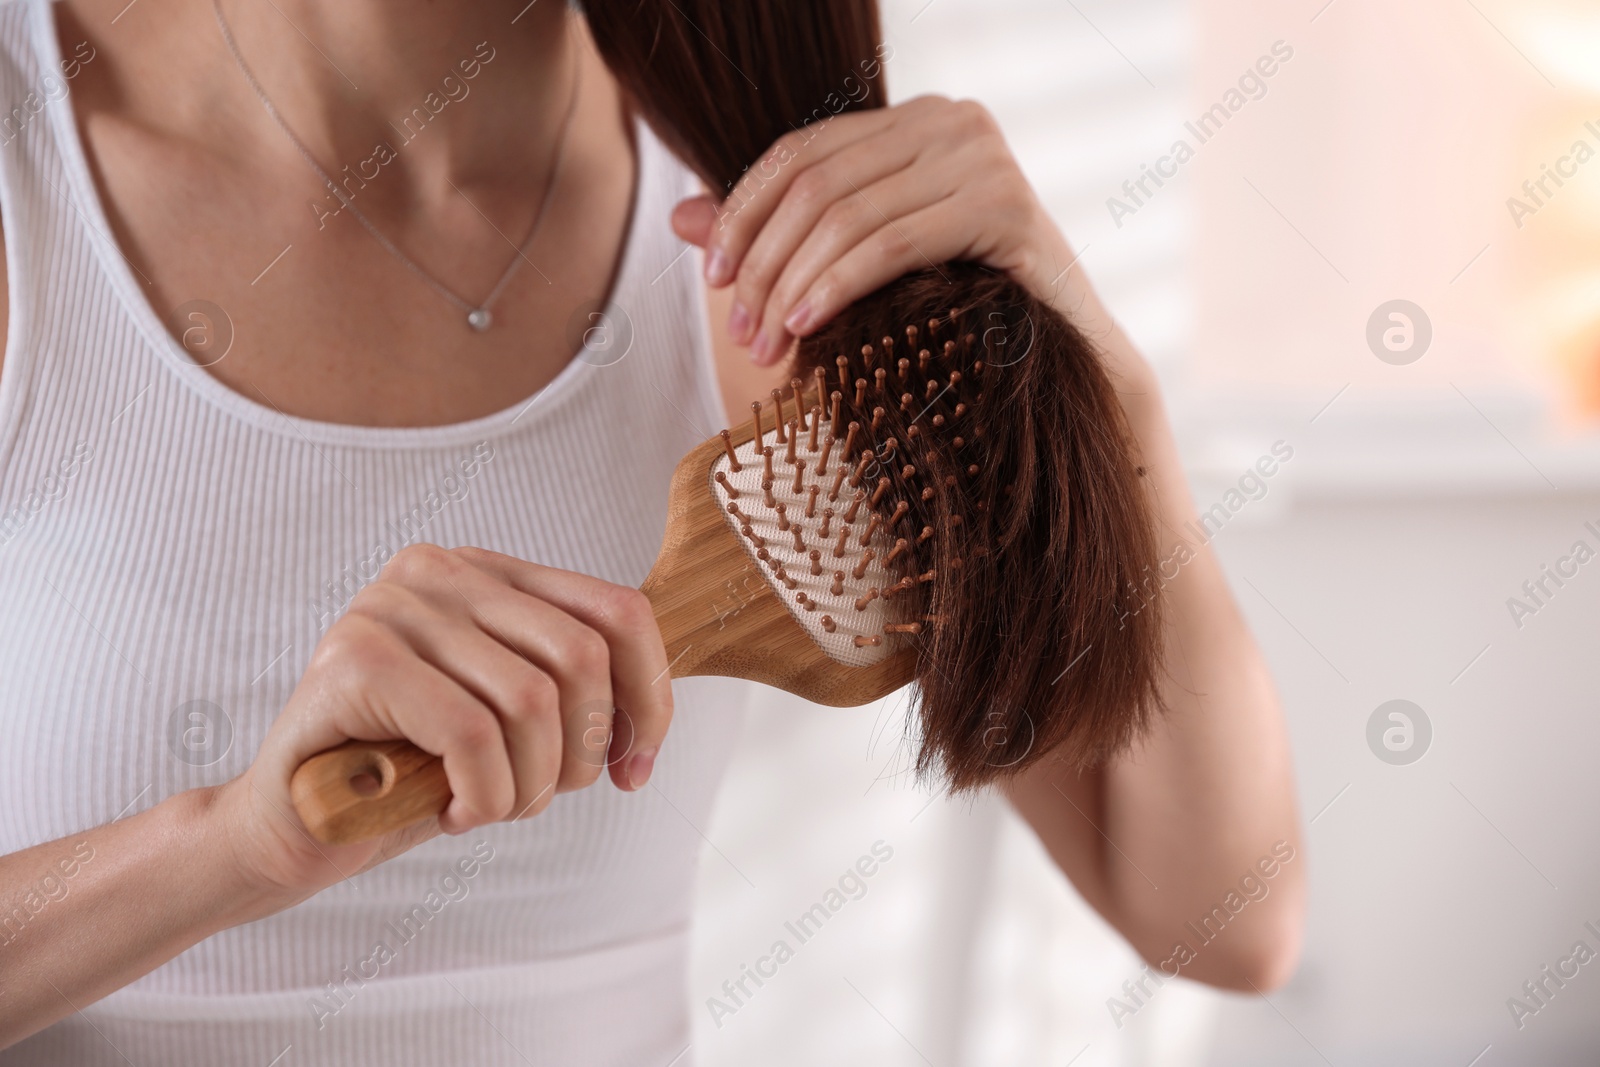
[811, 187]
[371, 657]
[381, 600]
[471, 555]
[495, 806]
[838, 221]
[788, 147]
[1025, 263]
[359, 645]
[759, 271]
[416, 561]
[626, 610]
[474, 730]
[824, 289]
[753, 186]
[892, 244]
[974, 117]
[532, 694]
[586, 653]
[730, 231]
[756, 274]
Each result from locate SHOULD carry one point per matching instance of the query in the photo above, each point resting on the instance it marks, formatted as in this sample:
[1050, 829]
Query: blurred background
[1382, 254]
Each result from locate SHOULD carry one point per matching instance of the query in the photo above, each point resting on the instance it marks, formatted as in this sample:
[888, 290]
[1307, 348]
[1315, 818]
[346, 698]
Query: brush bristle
[1028, 526]
[820, 475]
[822, 529]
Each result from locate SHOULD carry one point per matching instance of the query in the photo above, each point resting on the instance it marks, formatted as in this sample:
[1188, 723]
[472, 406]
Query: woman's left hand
[840, 208]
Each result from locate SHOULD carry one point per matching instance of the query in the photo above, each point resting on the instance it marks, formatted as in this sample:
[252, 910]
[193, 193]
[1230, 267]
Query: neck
[462, 94]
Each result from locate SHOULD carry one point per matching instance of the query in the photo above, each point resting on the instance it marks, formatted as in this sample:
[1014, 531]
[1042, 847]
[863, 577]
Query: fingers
[390, 692]
[641, 687]
[507, 671]
[833, 204]
[521, 667]
[893, 249]
[526, 700]
[838, 267]
[867, 201]
[552, 682]
[748, 206]
[792, 302]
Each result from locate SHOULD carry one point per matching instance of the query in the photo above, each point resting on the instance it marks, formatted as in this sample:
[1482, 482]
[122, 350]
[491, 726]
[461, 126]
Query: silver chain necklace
[478, 315]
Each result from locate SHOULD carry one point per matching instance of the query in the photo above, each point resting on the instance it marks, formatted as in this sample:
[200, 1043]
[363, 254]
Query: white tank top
[170, 553]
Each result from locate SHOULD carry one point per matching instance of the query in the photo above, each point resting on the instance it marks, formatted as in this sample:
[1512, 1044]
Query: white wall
[1437, 887]
[1420, 498]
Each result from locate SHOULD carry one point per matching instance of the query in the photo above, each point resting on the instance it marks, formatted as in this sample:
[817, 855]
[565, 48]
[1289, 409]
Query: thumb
[693, 219]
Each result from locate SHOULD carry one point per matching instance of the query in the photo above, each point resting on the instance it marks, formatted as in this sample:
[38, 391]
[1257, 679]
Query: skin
[202, 191]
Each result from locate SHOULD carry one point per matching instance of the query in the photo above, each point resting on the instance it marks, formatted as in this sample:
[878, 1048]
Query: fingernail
[640, 766]
[758, 348]
[717, 267]
[739, 324]
[799, 319]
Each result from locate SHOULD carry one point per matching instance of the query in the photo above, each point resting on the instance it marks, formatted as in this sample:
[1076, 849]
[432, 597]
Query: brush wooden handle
[365, 789]
[717, 614]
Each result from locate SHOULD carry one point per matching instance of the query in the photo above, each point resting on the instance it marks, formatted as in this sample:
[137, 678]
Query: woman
[240, 413]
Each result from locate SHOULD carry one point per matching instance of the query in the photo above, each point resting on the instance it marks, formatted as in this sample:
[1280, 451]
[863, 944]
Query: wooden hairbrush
[787, 560]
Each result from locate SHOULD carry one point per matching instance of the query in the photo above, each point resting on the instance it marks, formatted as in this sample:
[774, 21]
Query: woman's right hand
[508, 670]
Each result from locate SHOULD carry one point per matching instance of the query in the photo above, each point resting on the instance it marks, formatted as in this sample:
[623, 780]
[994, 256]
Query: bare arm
[1205, 806]
[78, 917]
[1159, 838]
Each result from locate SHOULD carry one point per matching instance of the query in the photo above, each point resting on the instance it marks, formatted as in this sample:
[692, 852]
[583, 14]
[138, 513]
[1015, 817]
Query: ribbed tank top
[170, 553]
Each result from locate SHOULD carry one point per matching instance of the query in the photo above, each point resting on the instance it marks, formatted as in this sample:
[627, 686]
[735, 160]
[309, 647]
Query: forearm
[1210, 792]
[1159, 838]
[87, 914]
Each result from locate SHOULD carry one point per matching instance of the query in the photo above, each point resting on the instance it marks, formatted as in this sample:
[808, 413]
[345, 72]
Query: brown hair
[988, 413]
